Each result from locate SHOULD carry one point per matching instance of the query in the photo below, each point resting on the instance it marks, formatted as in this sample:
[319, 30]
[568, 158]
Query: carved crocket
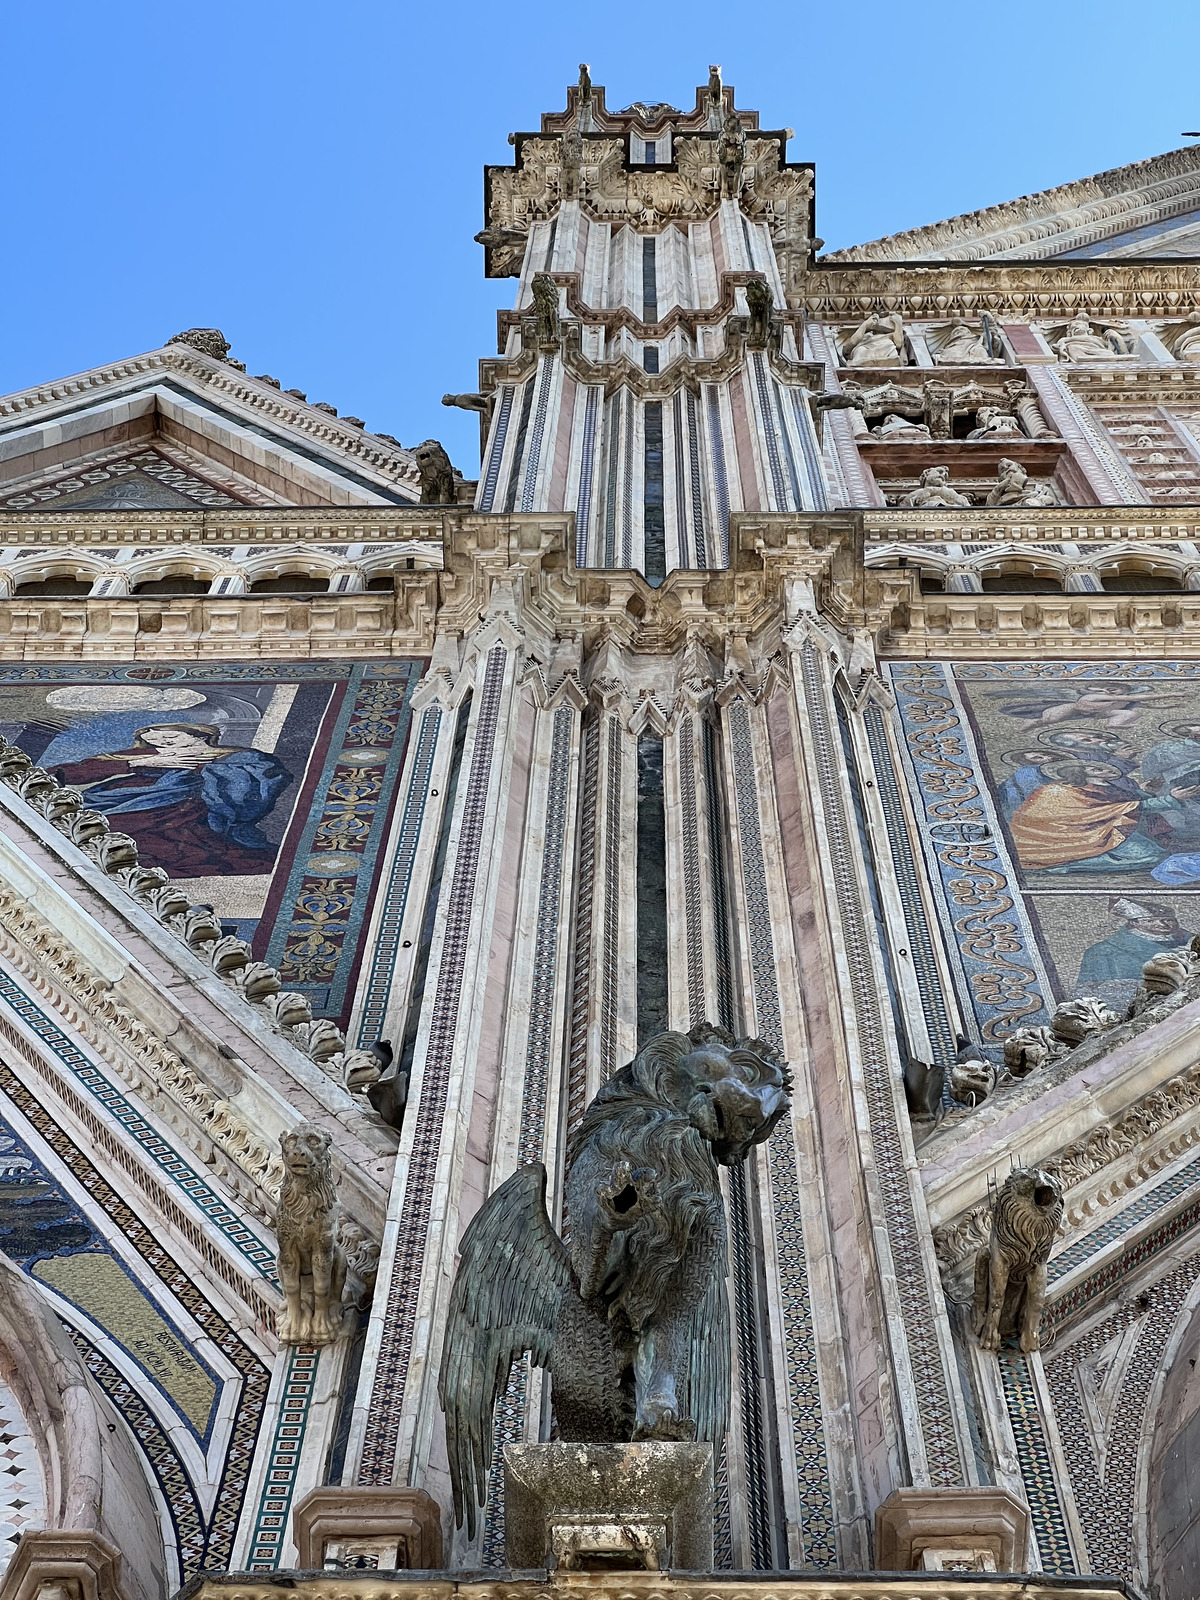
[631, 1317]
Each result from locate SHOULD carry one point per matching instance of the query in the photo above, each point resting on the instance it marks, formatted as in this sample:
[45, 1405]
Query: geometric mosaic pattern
[1037, 1473]
[274, 1509]
[22, 1499]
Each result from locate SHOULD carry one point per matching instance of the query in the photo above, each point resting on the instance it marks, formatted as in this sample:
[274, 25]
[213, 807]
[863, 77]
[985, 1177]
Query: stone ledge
[504, 1585]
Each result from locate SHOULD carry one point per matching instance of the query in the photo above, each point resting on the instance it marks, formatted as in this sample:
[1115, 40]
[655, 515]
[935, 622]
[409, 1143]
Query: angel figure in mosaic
[193, 805]
[1118, 705]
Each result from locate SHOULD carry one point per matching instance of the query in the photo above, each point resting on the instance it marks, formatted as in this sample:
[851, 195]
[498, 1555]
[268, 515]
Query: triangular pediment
[180, 428]
[1147, 210]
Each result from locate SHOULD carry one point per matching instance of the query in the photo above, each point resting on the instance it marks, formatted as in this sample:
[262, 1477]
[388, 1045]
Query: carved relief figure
[1010, 1274]
[935, 490]
[894, 426]
[992, 423]
[1187, 344]
[312, 1264]
[759, 301]
[545, 305]
[964, 346]
[1079, 343]
[1013, 487]
[878, 341]
[632, 1316]
[731, 154]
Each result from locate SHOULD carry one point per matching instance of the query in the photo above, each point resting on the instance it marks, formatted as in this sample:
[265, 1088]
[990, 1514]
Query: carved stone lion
[312, 1264]
[1010, 1274]
[436, 474]
[632, 1316]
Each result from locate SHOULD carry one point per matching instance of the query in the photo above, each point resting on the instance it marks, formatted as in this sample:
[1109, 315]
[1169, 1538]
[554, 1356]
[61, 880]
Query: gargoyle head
[306, 1153]
[733, 1091]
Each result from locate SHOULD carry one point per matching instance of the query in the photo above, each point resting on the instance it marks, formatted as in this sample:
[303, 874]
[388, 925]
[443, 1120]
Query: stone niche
[609, 1507]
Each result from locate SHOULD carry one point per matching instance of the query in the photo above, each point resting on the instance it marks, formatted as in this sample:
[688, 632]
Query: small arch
[1138, 579]
[177, 583]
[1020, 578]
[291, 582]
[59, 586]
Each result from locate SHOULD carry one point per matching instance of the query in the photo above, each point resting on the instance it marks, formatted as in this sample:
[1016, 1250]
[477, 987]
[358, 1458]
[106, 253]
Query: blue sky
[308, 177]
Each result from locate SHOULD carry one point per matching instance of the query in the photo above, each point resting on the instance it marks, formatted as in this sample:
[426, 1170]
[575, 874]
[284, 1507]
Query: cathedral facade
[811, 662]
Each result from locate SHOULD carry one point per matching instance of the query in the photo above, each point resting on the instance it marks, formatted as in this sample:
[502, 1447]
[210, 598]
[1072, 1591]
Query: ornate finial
[209, 341]
[715, 91]
[585, 82]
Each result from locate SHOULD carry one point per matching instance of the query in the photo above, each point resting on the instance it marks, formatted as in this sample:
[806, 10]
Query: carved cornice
[253, 525]
[622, 317]
[1052, 220]
[525, 559]
[1126, 1153]
[1015, 525]
[651, 1586]
[648, 199]
[623, 373]
[140, 1058]
[1023, 292]
[1158, 385]
[281, 412]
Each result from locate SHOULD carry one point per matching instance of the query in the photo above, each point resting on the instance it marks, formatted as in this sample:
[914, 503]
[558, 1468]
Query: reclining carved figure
[631, 1317]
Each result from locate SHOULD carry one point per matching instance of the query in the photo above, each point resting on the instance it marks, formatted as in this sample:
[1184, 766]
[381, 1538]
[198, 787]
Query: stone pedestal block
[973, 1530]
[609, 1507]
[383, 1529]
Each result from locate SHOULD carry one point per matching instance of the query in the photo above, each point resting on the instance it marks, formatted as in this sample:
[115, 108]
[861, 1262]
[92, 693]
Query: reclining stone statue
[631, 1317]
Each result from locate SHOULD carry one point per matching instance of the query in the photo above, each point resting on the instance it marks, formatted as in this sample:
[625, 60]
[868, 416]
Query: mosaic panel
[1059, 807]
[266, 791]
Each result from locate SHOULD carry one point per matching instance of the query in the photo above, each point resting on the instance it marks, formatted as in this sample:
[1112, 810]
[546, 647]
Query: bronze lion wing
[513, 1272]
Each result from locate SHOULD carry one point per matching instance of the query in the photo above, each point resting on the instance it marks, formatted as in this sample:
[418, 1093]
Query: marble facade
[816, 655]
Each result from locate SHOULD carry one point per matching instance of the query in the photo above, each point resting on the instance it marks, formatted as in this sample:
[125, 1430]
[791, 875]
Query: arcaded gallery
[626, 1028]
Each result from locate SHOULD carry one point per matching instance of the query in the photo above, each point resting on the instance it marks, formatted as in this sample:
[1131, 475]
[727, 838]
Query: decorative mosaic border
[615, 738]
[585, 888]
[283, 1461]
[1002, 977]
[930, 1381]
[391, 1372]
[818, 1530]
[387, 937]
[214, 1209]
[904, 867]
[222, 1525]
[312, 947]
[1037, 1470]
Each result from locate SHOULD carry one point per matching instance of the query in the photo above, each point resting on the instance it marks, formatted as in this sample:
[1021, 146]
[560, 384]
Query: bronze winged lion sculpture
[631, 1317]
